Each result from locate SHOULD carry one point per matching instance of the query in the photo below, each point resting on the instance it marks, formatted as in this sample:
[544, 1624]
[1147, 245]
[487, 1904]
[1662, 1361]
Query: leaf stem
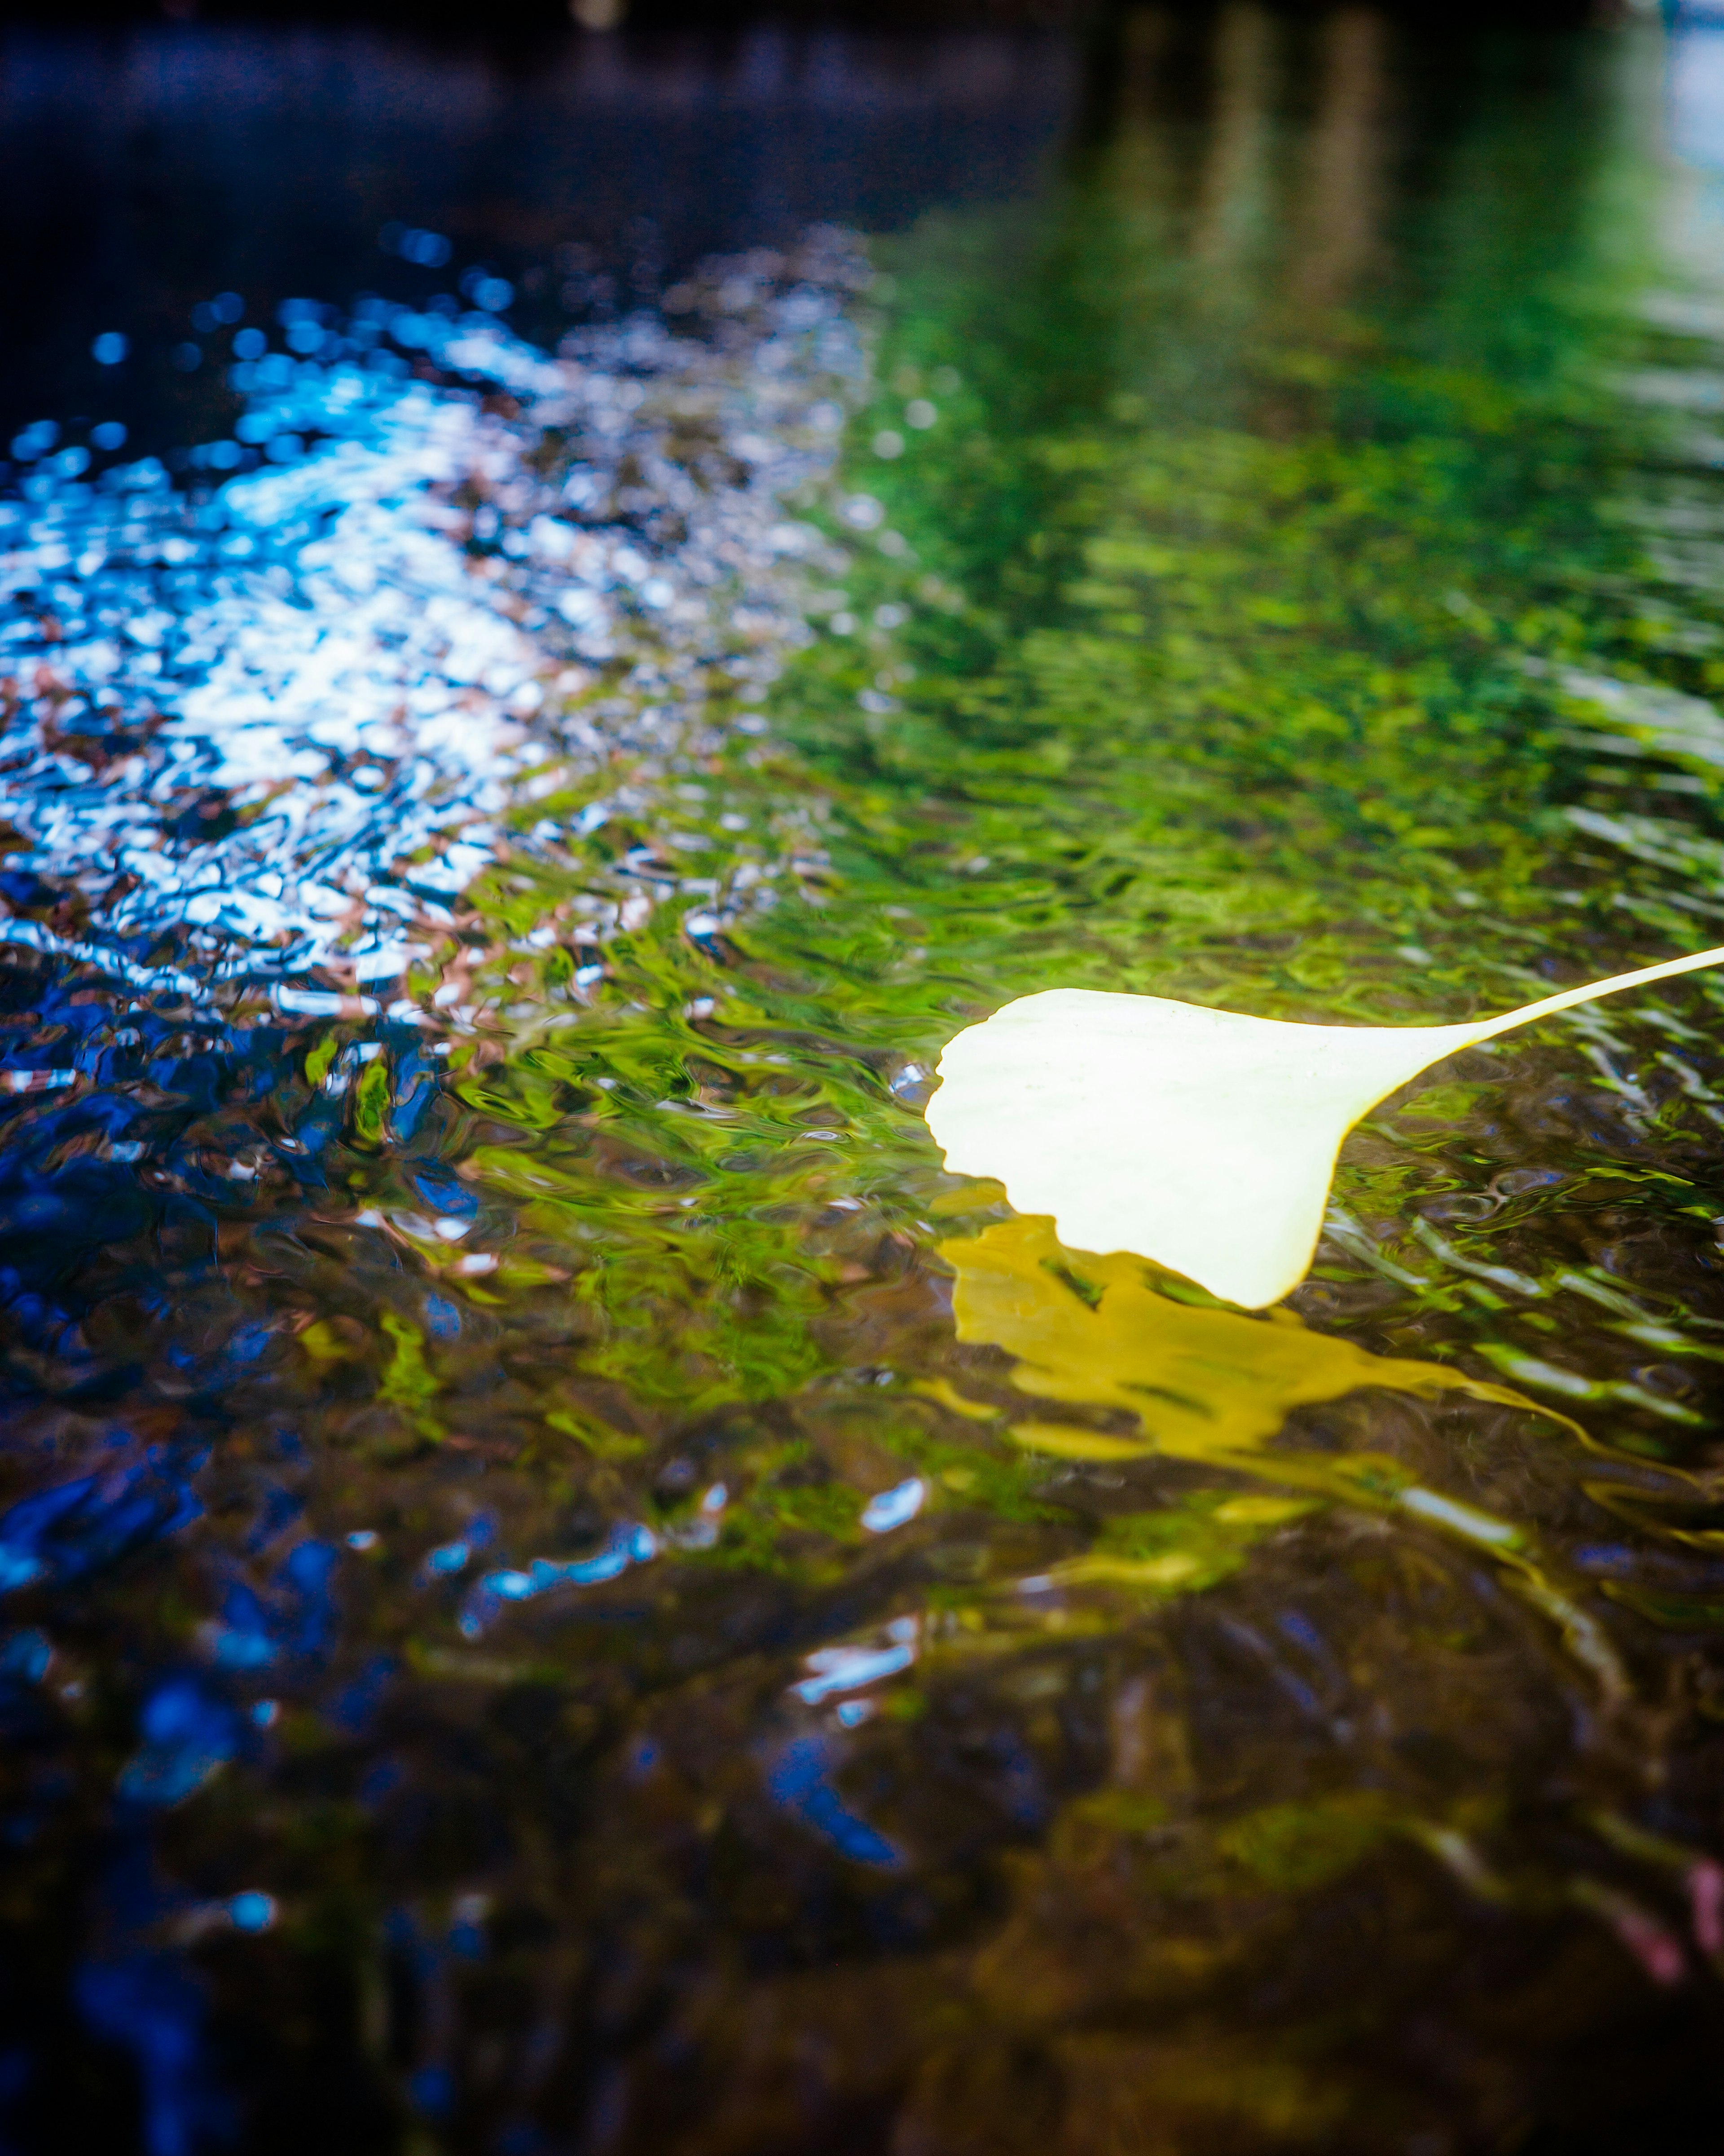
[1594, 989]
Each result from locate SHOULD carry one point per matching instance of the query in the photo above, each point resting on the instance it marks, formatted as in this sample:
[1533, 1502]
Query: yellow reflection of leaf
[945, 1394]
[1206, 1383]
[1202, 1382]
[1069, 1441]
[1202, 1139]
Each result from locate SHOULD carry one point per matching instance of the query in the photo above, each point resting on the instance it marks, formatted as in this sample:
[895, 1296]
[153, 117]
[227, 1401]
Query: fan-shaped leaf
[1202, 1139]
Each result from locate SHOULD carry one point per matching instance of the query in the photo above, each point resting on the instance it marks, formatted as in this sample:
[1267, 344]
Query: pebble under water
[565, 1588]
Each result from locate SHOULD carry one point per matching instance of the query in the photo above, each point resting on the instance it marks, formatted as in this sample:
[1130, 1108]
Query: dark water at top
[567, 1587]
[144, 170]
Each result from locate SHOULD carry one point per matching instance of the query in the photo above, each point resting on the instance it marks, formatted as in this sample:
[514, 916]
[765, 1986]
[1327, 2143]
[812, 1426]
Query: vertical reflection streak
[1338, 230]
[1232, 204]
[1139, 152]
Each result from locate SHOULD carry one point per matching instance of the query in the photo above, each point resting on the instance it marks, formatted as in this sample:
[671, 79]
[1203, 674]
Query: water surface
[568, 1589]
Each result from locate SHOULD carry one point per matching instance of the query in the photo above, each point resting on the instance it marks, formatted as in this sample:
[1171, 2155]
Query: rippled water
[567, 1588]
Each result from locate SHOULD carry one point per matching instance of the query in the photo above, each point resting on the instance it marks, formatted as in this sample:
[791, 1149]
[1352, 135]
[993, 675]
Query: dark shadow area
[145, 167]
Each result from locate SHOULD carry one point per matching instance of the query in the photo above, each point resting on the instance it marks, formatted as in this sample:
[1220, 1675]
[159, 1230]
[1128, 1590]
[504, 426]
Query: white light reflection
[239, 717]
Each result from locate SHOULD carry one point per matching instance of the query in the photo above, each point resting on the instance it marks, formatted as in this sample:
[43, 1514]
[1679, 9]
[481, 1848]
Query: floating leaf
[1202, 1139]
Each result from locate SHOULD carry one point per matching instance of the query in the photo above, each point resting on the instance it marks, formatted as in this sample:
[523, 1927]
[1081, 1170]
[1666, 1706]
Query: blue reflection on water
[62, 1534]
[800, 1778]
[259, 741]
[188, 1736]
[154, 2007]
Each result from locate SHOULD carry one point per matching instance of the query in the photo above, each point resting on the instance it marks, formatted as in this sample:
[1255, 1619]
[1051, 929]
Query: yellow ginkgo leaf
[1202, 1139]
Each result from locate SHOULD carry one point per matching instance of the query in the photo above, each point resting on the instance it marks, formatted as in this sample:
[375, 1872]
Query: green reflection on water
[1190, 656]
[1198, 664]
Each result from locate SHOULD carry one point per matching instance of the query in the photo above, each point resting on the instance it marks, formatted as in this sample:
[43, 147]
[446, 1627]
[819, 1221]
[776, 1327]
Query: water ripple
[266, 729]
